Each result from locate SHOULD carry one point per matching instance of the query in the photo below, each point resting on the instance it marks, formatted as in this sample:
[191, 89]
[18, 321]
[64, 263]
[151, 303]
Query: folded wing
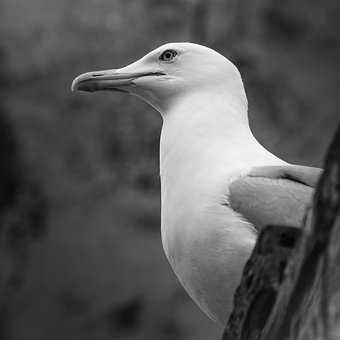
[274, 195]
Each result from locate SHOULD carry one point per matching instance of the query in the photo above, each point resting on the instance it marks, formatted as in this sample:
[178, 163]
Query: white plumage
[211, 208]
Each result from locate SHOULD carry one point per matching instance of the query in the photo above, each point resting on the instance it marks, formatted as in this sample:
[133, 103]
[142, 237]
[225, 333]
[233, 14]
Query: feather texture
[274, 195]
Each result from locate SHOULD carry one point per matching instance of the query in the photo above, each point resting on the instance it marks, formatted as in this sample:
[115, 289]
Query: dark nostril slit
[97, 75]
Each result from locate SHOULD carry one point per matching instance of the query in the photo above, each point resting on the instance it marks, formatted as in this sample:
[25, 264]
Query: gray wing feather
[276, 195]
[298, 173]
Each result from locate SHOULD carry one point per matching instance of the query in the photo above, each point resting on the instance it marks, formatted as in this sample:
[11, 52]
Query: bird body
[211, 208]
[204, 148]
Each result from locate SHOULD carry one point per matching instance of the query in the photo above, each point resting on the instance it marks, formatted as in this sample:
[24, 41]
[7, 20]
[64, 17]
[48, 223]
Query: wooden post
[290, 289]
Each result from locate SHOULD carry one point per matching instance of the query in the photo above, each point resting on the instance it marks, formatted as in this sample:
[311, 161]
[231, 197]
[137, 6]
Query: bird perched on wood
[219, 185]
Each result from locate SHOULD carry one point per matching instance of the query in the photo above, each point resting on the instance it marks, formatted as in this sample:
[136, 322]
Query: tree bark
[290, 289]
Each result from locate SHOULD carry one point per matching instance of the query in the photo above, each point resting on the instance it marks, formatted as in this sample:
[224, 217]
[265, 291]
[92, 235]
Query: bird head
[166, 74]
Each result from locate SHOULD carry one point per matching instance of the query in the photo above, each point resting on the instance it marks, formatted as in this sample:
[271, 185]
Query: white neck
[205, 142]
[201, 128]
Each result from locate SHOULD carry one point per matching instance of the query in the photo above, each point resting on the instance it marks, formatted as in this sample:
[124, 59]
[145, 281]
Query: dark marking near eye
[168, 55]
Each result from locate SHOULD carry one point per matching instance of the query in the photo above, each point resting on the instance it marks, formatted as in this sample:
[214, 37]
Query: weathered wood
[304, 303]
[261, 280]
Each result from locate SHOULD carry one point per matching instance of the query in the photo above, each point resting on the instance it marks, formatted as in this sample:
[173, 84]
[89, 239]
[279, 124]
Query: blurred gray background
[80, 249]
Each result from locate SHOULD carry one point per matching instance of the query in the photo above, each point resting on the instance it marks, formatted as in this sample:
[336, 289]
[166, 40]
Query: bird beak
[116, 80]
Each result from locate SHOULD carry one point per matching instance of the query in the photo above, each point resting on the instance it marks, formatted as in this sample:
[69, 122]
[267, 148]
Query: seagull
[219, 185]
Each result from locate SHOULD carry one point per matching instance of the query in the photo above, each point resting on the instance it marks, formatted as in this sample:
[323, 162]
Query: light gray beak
[114, 80]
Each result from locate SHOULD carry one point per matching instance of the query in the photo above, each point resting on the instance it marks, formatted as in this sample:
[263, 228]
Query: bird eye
[168, 55]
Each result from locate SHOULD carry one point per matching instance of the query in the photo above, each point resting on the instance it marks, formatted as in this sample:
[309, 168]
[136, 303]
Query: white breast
[206, 242]
[207, 245]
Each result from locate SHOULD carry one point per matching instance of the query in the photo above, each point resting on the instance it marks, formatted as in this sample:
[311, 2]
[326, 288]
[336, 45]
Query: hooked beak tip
[74, 86]
[84, 82]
